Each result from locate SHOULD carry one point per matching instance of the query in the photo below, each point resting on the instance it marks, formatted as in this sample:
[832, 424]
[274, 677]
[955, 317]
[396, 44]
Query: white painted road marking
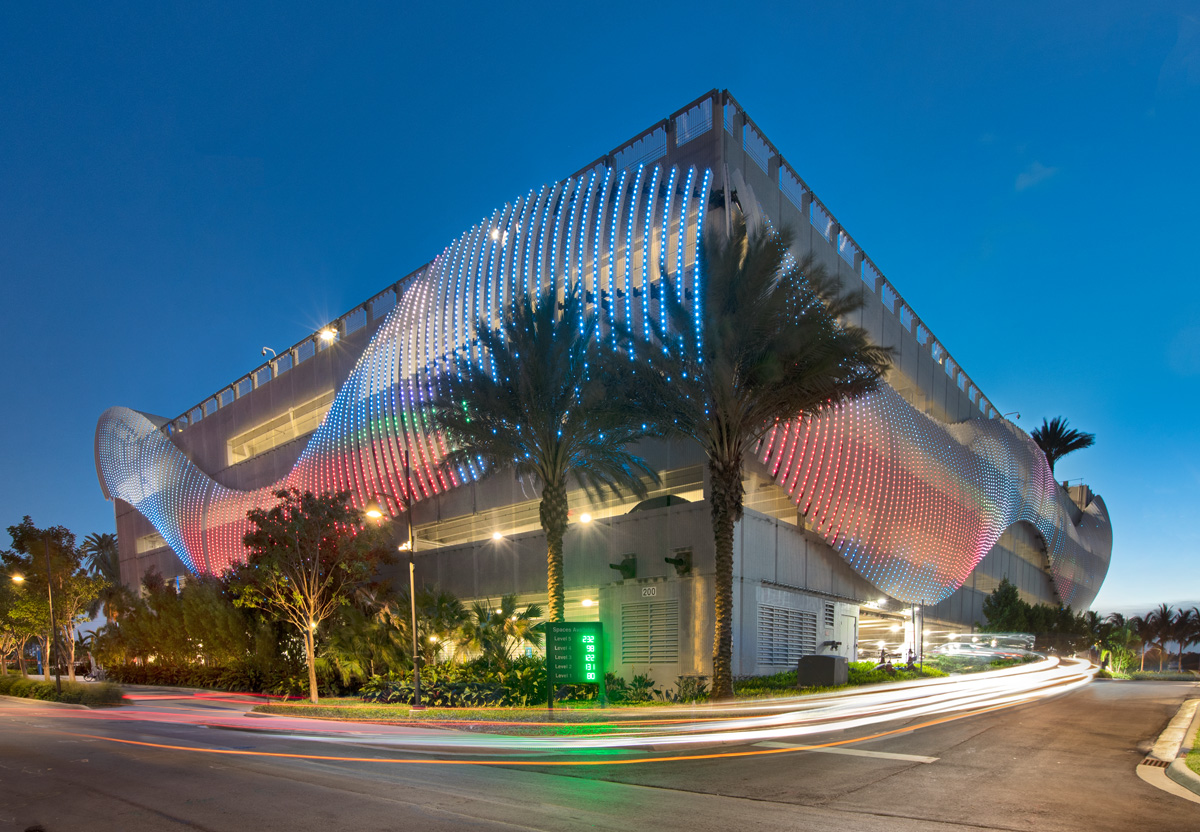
[854, 752]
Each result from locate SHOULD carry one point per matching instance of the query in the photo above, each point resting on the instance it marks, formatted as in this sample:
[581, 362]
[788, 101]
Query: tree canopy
[305, 556]
[766, 343]
[545, 398]
[49, 559]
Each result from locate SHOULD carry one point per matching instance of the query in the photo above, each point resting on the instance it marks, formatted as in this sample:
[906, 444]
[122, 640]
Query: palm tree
[1057, 440]
[1185, 630]
[1162, 619]
[440, 615]
[1145, 631]
[548, 401]
[493, 633]
[361, 643]
[1093, 627]
[771, 349]
[101, 556]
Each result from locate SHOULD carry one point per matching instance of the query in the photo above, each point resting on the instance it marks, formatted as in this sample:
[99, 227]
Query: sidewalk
[1166, 766]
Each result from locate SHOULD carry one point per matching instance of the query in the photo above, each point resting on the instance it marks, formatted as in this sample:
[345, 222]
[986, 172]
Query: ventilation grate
[650, 632]
[785, 635]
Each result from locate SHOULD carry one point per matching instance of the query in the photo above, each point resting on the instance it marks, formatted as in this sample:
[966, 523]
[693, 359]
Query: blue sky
[180, 186]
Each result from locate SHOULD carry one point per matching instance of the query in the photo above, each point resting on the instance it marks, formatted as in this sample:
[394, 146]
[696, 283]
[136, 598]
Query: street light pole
[410, 545]
[412, 585]
[53, 630]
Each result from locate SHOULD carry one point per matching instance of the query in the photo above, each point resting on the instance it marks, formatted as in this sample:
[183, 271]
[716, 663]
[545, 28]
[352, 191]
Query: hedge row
[241, 678]
[72, 692]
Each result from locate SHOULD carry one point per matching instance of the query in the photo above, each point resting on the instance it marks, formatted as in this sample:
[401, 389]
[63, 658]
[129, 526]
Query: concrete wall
[796, 569]
[131, 525]
[206, 442]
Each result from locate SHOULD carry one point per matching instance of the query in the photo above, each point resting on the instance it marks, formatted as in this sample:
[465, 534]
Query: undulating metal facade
[911, 503]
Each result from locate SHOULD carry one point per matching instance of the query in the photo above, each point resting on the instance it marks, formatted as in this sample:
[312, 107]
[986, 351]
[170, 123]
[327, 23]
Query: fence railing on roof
[370, 311]
[652, 144]
[696, 119]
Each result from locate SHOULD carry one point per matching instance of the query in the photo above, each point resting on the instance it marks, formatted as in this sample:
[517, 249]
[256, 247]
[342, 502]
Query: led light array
[914, 505]
[611, 234]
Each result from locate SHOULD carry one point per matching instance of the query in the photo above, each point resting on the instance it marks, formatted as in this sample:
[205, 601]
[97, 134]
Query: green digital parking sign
[575, 654]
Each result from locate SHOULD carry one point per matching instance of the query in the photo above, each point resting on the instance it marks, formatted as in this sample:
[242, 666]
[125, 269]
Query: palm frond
[1057, 440]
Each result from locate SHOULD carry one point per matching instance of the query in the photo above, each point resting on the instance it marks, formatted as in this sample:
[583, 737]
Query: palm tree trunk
[553, 514]
[1143, 668]
[726, 480]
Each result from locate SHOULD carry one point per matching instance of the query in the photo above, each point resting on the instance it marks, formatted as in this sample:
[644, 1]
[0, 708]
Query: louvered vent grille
[785, 635]
[650, 632]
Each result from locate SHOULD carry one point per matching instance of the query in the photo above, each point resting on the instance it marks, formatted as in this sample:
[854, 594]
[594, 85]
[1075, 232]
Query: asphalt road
[1066, 763]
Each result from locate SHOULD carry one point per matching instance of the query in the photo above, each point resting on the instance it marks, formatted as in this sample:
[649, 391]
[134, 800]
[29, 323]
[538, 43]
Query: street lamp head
[18, 579]
[373, 510]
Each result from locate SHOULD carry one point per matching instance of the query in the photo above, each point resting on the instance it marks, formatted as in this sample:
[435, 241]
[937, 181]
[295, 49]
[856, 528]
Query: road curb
[1178, 770]
[29, 701]
[1166, 747]
[1164, 767]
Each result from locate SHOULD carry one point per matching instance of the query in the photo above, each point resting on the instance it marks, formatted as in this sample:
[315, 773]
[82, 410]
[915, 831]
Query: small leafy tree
[12, 639]
[361, 643]
[306, 556]
[440, 617]
[50, 556]
[1117, 641]
[1005, 611]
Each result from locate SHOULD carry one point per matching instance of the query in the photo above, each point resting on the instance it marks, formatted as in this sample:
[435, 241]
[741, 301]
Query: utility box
[822, 671]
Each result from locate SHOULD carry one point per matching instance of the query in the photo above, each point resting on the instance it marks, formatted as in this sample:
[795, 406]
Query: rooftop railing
[371, 311]
[696, 119]
[653, 143]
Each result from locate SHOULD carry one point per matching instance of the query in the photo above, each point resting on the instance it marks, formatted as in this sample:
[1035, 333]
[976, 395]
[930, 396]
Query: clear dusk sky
[183, 184]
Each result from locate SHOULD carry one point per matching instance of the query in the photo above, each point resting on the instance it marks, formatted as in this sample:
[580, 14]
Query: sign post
[575, 656]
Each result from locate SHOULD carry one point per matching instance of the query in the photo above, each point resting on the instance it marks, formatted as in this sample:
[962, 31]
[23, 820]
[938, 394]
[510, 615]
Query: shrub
[472, 685]
[1165, 676]
[72, 692]
[687, 689]
[242, 677]
[21, 688]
